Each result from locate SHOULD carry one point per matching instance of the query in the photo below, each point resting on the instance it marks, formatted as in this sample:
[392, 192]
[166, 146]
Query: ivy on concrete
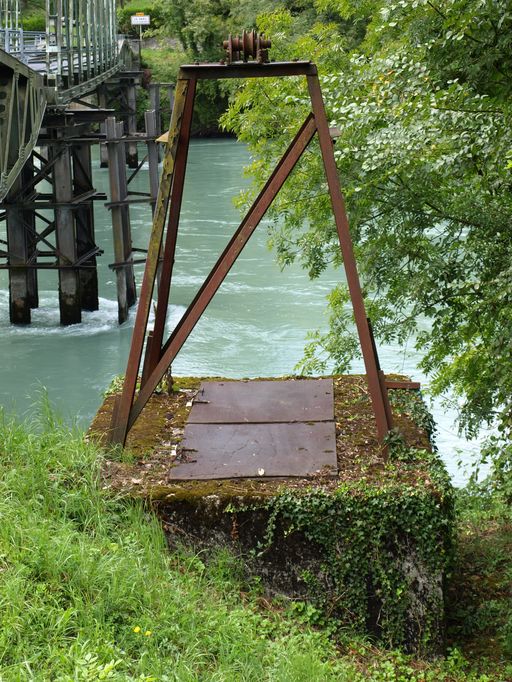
[367, 535]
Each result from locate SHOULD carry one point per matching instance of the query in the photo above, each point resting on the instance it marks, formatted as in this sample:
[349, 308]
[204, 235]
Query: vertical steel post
[154, 101]
[69, 282]
[119, 425]
[131, 125]
[84, 217]
[103, 104]
[151, 135]
[19, 297]
[86, 39]
[156, 106]
[131, 293]
[378, 397]
[171, 98]
[117, 219]
[93, 37]
[29, 221]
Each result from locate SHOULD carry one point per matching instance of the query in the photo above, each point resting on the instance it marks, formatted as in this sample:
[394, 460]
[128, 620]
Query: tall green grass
[89, 590]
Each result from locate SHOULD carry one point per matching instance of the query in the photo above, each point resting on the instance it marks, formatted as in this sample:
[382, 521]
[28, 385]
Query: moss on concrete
[153, 444]
[366, 549]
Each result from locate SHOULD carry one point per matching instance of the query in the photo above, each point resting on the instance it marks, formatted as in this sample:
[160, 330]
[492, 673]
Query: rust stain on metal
[250, 45]
[256, 402]
[217, 451]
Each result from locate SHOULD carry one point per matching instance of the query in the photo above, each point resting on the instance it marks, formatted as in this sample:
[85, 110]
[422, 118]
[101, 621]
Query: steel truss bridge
[39, 70]
[63, 90]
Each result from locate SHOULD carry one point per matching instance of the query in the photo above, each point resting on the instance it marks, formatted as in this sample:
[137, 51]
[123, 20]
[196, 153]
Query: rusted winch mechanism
[251, 45]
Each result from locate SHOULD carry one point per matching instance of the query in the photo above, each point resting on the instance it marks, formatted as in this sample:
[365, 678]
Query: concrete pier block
[364, 549]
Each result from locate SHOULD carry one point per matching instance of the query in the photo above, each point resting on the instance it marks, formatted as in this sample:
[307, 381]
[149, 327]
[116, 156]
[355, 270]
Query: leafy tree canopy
[421, 93]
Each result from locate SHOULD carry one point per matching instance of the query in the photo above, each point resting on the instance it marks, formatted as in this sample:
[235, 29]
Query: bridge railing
[79, 45]
[81, 40]
[24, 45]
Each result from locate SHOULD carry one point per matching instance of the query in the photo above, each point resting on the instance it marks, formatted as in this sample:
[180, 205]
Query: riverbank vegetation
[420, 91]
[89, 590]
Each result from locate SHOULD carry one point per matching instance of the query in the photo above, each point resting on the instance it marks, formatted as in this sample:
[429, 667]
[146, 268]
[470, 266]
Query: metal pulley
[251, 45]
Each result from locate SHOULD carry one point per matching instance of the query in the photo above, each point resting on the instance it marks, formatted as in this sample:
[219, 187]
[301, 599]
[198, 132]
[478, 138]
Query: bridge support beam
[69, 280]
[131, 125]
[117, 197]
[29, 220]
[84, 225]
[21, 237]
[19, 285]
[131, 293]
[103, 104]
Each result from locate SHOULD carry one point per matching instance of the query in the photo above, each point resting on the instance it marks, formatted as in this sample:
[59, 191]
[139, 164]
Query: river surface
[255, 326]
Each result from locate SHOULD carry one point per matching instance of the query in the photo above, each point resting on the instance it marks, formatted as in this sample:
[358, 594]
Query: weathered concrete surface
[248, 517]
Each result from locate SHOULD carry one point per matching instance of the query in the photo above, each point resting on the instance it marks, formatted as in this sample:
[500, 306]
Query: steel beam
[247, 70]
[185, 91]
[19, 295]
[84, 218]
[117, 217]
[69, 280]
[378, 393]
[131, 125]
[225, 262]
[152, 132]
[131, 292]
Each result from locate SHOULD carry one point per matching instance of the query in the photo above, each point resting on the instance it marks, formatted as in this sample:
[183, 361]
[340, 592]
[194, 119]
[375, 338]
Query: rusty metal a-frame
[159, 352]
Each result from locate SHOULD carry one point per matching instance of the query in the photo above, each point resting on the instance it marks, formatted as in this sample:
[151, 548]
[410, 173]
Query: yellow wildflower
[136, 628]
[148, 633]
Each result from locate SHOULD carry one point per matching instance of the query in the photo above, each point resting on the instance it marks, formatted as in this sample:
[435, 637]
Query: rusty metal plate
[215, 451]
[261, 402]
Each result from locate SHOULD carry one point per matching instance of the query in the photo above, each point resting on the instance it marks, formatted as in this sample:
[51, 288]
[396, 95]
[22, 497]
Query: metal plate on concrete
[214, 451]
[261, 402]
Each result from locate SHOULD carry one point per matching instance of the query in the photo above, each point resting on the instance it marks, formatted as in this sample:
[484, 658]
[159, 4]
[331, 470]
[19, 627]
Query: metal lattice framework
[81, 44]
[22, 108]
[78, 51]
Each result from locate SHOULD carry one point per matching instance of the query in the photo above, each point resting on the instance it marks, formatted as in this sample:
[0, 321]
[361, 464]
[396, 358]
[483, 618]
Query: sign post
[140, 19]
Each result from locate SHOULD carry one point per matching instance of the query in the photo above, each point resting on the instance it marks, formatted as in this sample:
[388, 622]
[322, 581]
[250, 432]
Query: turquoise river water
[255, 326]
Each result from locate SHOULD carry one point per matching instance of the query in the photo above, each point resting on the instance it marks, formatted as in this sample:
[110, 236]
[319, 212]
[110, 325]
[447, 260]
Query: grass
[480, 592]
[89, 591]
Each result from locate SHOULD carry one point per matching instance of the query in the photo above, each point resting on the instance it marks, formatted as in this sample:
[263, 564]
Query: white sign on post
[140, 20]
